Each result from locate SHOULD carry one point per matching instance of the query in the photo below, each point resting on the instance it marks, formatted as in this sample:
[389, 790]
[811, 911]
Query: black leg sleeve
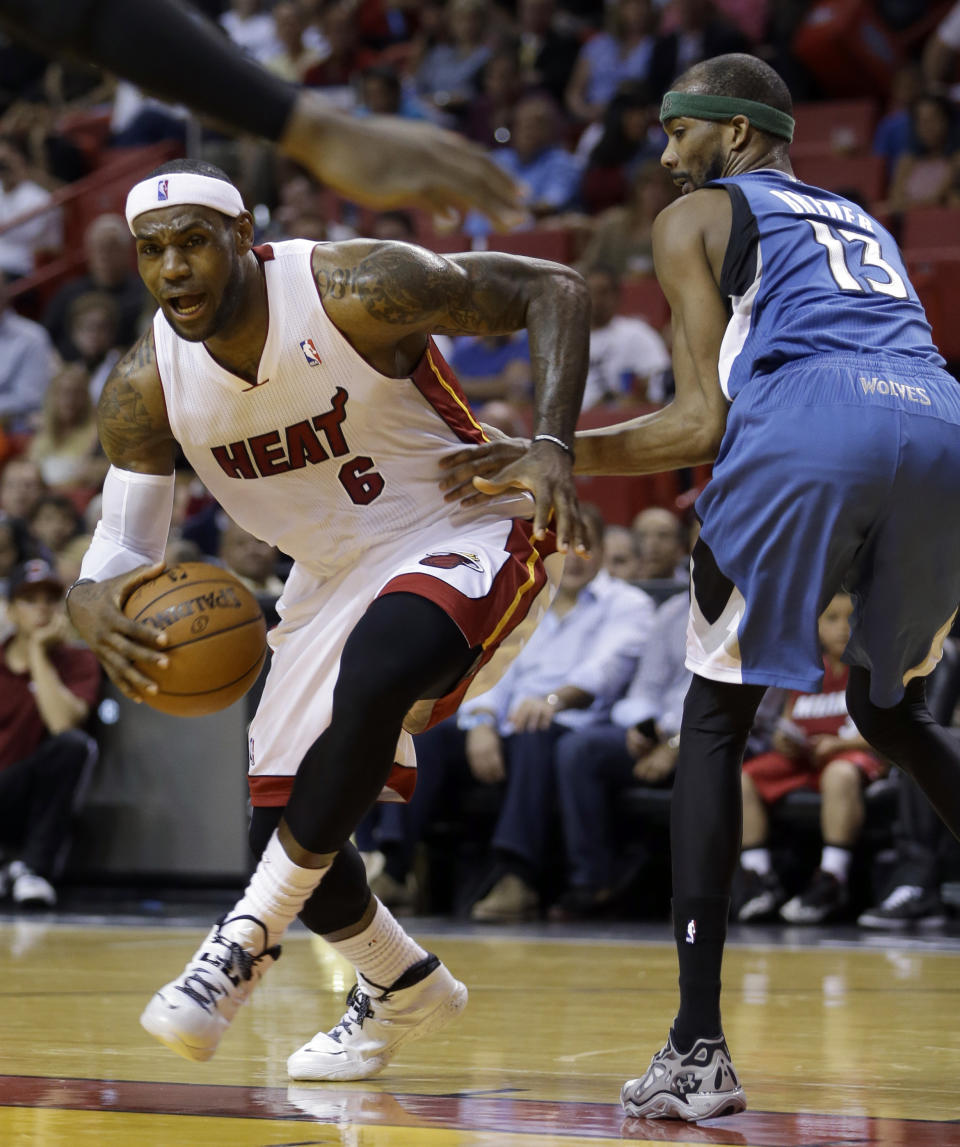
[908, 735]
[706, 820]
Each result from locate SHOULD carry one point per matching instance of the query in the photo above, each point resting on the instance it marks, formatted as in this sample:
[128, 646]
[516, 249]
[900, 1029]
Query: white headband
[179, 187]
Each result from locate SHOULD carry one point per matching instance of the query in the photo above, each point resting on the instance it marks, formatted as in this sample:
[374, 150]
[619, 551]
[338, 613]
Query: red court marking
[340, 1105]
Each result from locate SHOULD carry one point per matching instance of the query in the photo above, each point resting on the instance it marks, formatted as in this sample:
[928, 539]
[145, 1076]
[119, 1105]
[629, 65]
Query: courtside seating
[865, 174]
[833, 127]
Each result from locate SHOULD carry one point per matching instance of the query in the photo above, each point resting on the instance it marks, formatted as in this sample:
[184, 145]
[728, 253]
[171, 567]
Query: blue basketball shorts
[835, 474]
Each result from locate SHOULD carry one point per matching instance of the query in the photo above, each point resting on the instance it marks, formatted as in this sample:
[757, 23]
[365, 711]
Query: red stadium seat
[931, 227]
[834, 127]
[555, 243]
[644, 297]
[865, 174]
[938, 285]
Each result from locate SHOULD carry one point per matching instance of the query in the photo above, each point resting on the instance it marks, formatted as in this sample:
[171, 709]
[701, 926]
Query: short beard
[714, 169]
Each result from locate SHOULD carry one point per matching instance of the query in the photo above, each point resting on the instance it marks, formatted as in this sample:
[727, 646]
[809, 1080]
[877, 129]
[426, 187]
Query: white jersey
[324, 456]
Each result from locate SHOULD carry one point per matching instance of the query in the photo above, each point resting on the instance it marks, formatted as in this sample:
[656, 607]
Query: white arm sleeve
[134, 524]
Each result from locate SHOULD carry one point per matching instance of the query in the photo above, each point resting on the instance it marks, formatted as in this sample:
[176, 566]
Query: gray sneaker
[699, 1085]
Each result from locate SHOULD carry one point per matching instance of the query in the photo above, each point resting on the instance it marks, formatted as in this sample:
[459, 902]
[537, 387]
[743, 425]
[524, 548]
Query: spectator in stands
[16, 546]
[622, 237]
[511, 418]
[108, 248]
[548, 48]
[608, 59]
[448, 76]
[620, 555]
[924, 175]
[548, 174]
[815, 746]
[893, 135]
[345, 57]
[252, 29]
[493, 366]
[698, 32]
[382, 93]
[637, 745]
[20, 194]
[489, 116]
[21, 487]
[93, 330]
[622, 144]
[66, 446]
[627, 357]
[295, 54]
[27, 361]
[942, 51]
[661, 545]
[301, 199]
[397, 226]
[57, 526]
[47, 690]
[578, 662]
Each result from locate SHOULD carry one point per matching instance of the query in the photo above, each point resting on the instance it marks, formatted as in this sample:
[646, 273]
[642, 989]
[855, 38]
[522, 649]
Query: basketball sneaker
[907, 906]
[760, 895]
[700, 1084]
[379, 1021]
[191, 1013]
[825, 898]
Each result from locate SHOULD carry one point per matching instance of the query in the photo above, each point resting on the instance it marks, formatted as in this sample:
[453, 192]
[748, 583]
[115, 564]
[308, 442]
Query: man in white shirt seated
[628, 358]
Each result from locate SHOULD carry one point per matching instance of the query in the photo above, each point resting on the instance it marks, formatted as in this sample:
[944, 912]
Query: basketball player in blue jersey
[805, 370]
[302, 385]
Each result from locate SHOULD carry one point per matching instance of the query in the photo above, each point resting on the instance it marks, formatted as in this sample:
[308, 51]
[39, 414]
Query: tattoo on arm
[127, 428]
[401, 288]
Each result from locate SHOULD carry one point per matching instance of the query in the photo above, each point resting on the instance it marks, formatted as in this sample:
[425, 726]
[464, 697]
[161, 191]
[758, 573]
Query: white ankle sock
[278, 889]
[836, 861]
[382, 951]
[756, 860]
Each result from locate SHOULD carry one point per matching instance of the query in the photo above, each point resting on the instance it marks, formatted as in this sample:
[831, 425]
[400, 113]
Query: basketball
[216, 637]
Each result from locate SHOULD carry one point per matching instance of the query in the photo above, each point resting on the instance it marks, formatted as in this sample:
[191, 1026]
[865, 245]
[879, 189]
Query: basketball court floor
[841, 1040]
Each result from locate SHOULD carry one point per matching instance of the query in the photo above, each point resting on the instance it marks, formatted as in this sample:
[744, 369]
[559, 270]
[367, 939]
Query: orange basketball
[216, 637]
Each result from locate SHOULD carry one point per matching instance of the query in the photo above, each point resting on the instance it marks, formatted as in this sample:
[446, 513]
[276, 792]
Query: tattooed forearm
[408, 286]
[131, 415]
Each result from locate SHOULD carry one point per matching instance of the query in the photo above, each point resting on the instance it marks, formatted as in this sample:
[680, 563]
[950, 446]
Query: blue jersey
[811, 273]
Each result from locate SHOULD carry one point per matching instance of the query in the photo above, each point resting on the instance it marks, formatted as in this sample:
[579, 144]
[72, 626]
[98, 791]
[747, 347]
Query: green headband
[698, 106]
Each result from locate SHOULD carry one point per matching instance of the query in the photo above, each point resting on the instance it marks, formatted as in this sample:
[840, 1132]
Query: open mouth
[186, 306]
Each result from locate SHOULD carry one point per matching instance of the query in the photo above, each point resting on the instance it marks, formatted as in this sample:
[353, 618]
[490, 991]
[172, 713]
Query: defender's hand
[96, 610]
[482, 461]
[385, 162]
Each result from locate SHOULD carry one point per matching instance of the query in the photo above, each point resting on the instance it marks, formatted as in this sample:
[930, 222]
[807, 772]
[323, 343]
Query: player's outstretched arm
[387, 297]
[176, 54]
[689, 239]
[128, 543]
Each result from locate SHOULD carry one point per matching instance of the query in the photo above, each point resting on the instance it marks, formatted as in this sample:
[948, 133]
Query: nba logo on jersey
[310, 352]
[162, 192]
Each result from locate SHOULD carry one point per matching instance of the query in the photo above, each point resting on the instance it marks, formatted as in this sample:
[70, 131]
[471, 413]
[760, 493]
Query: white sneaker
[27, 888]
[191, 1013]
[698, 1084]
[379, 1021]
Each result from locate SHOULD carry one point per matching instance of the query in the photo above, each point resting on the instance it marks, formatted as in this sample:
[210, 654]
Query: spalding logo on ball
[216, 637]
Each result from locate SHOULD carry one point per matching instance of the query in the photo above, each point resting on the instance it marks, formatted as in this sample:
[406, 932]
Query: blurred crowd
[565, 95]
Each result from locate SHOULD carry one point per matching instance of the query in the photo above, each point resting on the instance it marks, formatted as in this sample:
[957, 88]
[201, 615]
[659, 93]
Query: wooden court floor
[856, 1044]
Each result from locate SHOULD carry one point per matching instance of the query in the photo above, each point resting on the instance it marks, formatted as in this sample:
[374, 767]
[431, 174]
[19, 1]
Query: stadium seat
[937, 283]
[833, 127]
[864, 174]
[930, 228]
[555, 243]
[644, 297]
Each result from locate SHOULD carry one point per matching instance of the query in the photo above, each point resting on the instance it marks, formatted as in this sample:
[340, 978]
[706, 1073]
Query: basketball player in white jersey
[302, 385]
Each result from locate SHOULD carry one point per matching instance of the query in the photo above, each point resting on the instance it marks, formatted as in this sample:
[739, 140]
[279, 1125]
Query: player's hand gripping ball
[216, 637]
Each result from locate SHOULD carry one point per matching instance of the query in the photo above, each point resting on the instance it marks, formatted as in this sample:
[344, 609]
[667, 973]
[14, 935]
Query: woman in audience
[66, 447]
[924, 175]
[609, 58]
[621, 237]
